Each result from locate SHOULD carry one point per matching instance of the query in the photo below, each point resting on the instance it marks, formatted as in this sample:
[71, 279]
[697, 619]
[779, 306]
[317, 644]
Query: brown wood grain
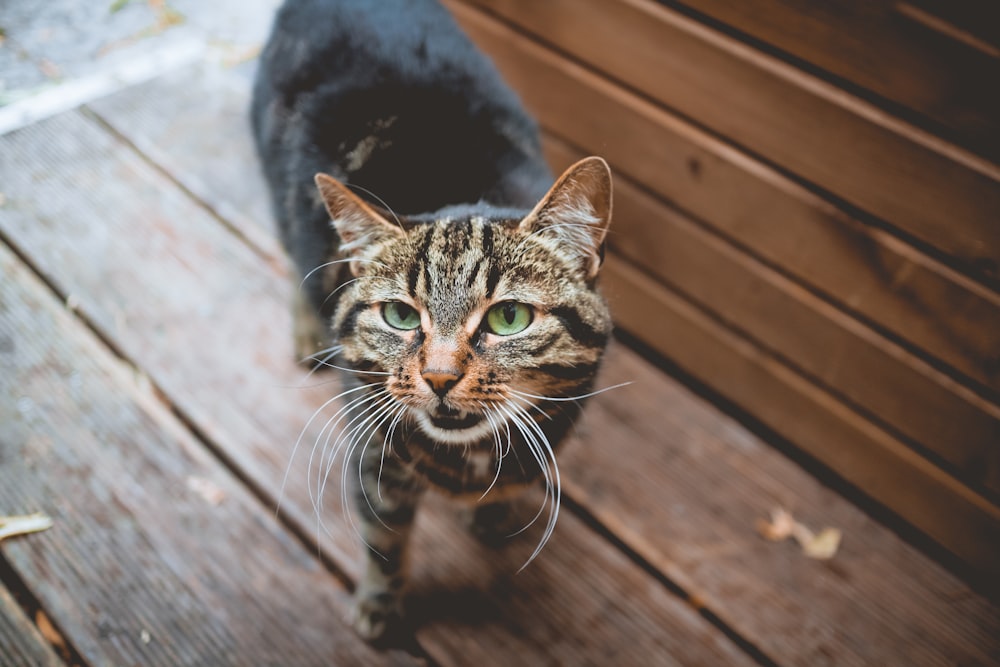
[877, 377]
[806, 609]
[975, 18]
[866, 271]
[167, 573]
[886, 469]
[21, 643]
[206, 318]
[686, 493]
[914, 181]
[875, 46]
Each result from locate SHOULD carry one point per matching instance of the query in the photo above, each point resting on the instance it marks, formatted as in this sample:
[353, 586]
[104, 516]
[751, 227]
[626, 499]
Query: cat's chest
[469, 471]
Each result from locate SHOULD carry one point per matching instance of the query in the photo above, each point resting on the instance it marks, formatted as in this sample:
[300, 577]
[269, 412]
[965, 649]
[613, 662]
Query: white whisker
[338, 261]
[331, 424]
[384, 414]
[330, 353]
[355, 186]
[553, 480]
[496, 440]
[387, 444]
[569, 398]
[305, 428]
[347, 434]
[340, 287]
[541, 451]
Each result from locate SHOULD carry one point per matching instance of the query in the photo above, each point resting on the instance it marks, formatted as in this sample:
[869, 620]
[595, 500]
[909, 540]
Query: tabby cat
[461, 301]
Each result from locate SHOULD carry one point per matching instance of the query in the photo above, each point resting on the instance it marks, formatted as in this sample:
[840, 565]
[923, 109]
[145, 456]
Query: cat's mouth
[454, 420]
[454, 427]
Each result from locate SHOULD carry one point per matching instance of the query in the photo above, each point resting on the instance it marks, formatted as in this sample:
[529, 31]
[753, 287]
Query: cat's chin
[461, 430]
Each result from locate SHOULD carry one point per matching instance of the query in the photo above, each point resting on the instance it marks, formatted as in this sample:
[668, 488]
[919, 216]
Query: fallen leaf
[779, 528]
[22, 525]
[824, 545]
[821, 546]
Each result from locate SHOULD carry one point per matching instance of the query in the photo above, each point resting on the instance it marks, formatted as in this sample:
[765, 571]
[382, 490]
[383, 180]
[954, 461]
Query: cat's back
[366, 43]
[380, 91]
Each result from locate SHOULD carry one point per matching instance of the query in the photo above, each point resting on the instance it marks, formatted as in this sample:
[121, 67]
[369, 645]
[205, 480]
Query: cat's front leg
[386, 500]
[493, 522]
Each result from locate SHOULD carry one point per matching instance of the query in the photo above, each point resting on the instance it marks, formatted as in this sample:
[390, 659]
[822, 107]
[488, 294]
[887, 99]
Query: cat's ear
[357, 224]
[576, 211]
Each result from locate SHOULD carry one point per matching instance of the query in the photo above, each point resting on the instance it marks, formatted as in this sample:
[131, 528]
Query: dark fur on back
[391, 96]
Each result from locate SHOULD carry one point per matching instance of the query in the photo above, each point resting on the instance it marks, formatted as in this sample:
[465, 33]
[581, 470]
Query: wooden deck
[150, 405]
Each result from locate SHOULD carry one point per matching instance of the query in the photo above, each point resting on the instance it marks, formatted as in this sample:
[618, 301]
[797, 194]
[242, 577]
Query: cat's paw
[378, 617]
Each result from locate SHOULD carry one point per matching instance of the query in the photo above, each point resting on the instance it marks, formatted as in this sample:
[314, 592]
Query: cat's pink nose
[441, 382]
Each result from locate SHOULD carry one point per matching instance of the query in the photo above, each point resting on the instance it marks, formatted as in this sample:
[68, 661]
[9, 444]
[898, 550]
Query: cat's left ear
[357, 224]
[577, 211]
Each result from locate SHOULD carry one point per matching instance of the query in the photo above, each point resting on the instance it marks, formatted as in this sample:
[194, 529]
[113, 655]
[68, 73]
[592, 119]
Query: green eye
[400, 316]
[508, 318]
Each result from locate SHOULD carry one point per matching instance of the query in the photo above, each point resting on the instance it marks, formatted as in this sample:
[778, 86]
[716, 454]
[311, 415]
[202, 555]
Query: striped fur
[510, 401]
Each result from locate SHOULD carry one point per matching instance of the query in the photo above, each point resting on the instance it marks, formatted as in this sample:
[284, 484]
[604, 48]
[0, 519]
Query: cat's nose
[441, 382]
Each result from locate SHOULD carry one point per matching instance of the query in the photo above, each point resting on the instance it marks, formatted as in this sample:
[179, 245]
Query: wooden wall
[807, 218]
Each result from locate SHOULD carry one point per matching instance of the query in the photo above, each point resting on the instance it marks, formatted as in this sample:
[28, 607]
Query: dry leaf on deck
[821, 546]
[22, 525]
[779, 528]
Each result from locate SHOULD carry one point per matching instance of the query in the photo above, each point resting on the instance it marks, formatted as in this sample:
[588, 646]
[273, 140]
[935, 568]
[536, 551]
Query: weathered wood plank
[700, 524]
[21, 644]
[71, 40]
[148, 561]
[594, 606]
[205, 317]
[886, 469]
[686, 493]
[877, 377]
[914, 181]
[864, 270]
[200, 149]
[873, 45]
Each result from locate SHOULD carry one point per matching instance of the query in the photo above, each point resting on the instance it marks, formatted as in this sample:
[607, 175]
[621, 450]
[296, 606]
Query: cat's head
[473, 316]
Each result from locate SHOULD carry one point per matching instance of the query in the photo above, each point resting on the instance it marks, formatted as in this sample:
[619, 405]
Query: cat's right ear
[357, 224]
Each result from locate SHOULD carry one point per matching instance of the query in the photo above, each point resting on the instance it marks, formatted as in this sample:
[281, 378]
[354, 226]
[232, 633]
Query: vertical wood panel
[941, 195]
[873, 45]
